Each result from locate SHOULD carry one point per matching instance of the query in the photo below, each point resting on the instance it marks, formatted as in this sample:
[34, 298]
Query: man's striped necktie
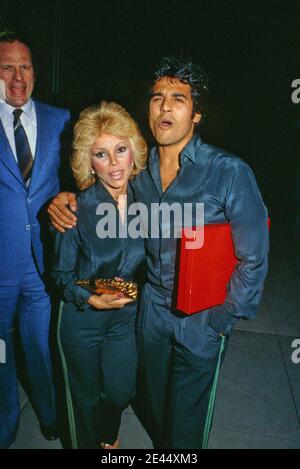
[24, 155]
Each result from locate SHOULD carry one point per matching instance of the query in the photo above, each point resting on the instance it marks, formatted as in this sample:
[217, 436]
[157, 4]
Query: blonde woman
[97, 333]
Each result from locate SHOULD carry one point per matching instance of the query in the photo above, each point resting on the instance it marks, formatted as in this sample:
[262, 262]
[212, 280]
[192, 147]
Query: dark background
[94, 49]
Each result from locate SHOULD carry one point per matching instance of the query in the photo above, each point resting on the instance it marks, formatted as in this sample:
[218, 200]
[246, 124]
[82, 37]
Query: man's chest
[187, 196]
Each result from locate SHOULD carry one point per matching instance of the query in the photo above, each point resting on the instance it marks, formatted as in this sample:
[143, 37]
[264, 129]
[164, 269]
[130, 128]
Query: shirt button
[29, 200]
[27, 227]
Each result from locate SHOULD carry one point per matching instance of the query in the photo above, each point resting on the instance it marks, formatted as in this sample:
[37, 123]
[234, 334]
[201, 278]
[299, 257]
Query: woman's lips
[116, 175]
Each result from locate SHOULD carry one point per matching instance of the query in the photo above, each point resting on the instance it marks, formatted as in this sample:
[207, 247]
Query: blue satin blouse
[81, 254]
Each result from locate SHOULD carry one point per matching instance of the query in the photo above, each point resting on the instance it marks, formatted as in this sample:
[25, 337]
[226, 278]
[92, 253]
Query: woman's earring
[92, 172]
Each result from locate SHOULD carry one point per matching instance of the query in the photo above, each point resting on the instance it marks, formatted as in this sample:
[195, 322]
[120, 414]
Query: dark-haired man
[30, 139]
[180, 355]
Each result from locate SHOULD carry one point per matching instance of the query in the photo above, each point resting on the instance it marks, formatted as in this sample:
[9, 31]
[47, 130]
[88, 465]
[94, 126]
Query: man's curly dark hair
[189, 73]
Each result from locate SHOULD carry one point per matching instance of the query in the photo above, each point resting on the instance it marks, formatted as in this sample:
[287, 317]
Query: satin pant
[98, 351]
[179, 362]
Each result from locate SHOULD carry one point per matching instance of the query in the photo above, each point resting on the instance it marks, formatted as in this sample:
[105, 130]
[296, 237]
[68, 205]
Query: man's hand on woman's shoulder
[61, 210]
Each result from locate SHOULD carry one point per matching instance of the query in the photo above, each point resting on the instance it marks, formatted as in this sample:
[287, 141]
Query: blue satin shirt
[227, 187]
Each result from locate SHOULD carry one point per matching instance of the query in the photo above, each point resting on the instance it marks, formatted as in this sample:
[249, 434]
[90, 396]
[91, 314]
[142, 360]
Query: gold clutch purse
[100, 286]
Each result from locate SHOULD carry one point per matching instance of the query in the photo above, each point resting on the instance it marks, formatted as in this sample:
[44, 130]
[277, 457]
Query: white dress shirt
[28, 120]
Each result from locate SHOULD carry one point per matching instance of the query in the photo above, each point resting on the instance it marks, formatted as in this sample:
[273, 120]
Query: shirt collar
[190, 151]
[28, 109]
[104, 194]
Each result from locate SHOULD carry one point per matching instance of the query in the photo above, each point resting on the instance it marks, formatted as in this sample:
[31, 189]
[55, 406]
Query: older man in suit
[30, 146]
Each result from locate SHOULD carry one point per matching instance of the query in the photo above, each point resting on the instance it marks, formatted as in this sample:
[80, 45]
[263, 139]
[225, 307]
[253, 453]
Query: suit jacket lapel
[41, 148]
[6, 155]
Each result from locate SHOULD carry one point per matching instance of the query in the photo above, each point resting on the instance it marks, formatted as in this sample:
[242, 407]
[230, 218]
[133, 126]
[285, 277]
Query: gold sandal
[115, 445]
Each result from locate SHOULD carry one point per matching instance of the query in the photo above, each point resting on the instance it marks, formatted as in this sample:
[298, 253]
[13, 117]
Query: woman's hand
[61, 216]
[107, 301]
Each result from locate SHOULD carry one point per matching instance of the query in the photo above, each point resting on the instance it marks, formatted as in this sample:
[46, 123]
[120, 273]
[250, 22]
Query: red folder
[204, 272]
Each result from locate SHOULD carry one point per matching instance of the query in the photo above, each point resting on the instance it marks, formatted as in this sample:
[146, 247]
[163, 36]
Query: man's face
[17, 72]
[171, 116]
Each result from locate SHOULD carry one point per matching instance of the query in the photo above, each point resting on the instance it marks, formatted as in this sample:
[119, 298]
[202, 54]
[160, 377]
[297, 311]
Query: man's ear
[197, 117]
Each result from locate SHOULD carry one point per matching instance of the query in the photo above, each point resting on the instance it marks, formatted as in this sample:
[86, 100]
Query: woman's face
[112, 161]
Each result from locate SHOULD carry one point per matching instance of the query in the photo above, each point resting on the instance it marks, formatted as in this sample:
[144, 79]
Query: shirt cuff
[79, 296]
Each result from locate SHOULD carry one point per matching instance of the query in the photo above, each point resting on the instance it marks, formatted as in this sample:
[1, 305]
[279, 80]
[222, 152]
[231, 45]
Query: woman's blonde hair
[110, 118]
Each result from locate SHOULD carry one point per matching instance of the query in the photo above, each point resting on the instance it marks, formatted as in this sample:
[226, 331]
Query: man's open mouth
[165, 123]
